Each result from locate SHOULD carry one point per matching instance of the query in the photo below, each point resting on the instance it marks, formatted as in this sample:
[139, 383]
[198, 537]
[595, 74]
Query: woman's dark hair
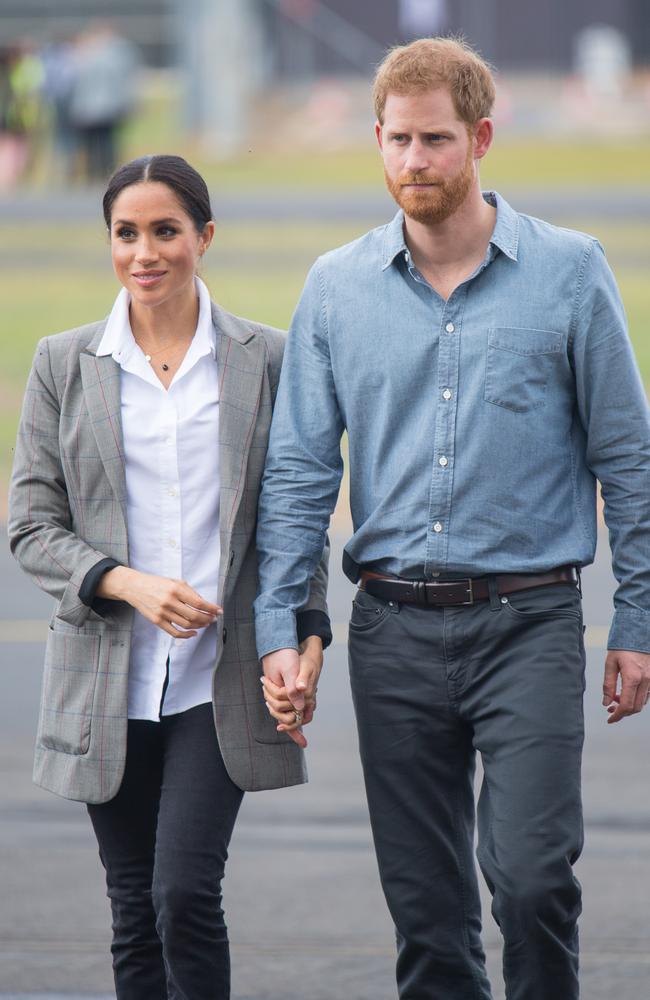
[188, 185]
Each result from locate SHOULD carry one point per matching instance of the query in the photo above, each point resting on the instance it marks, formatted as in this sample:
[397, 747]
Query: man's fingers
[273, 689]
[642, 694]
[610, 679]
[626, 700]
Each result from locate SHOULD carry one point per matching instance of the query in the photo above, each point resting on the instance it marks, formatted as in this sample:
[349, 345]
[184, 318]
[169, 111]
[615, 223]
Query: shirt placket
[170, 502]
[444, 450]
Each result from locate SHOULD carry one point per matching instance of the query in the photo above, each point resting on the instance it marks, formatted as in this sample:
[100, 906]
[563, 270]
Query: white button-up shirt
[171, 455]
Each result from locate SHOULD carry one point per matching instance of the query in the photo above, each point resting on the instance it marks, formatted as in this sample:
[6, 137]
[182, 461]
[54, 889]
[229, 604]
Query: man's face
[428, 155]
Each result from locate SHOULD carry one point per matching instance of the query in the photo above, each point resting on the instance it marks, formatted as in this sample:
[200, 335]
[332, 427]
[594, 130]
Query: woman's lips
[146, 279]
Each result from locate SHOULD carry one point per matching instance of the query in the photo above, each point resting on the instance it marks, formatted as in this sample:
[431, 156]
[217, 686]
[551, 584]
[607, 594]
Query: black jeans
[431, 687]
[163, 841]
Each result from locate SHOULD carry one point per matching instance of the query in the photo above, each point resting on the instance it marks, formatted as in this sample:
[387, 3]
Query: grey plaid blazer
[67, 510]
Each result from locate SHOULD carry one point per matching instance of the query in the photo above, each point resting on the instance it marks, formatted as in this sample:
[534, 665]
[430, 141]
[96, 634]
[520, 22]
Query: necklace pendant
[147, 357]
[165, 367]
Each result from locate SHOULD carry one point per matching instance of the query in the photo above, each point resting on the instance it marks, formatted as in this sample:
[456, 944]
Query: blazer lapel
[241, 360]
[100, 378]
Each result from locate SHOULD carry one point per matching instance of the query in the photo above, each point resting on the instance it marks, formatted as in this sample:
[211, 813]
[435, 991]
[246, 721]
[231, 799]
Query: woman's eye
[125, 234]
[166, 231]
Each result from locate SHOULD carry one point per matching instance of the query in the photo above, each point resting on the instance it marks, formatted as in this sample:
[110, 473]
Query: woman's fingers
[190, 597]
[171, 629]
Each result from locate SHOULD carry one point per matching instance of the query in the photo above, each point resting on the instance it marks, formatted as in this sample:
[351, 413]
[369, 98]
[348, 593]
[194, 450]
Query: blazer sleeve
[40, 521]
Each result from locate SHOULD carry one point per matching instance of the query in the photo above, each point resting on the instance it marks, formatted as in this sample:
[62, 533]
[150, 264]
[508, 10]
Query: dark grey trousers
[163, 841]
[432, 686]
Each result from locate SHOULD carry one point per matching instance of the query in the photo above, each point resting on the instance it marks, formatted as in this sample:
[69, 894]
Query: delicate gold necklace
[148, 355]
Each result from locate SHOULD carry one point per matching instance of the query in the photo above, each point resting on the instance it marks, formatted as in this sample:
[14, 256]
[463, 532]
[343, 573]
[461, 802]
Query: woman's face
[154, 244]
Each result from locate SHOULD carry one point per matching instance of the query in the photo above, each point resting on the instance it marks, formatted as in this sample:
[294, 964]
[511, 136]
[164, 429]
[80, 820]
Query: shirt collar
[505, 235]
[119, 342]
[506, 228]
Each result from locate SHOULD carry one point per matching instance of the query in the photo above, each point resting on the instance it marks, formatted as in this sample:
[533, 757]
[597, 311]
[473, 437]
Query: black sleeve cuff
[91, 580]
[314, 623]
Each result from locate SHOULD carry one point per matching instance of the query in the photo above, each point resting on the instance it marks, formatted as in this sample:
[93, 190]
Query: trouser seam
[463, 891]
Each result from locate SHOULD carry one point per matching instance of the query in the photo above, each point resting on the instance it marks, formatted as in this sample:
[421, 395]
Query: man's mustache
[418, 179]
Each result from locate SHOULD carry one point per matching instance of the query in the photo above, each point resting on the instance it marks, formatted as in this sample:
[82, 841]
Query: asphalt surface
[306, 915]
[632, 202]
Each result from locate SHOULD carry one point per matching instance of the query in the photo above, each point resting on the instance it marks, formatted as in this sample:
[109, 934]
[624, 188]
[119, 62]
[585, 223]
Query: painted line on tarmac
[595, 635]
[21, 630]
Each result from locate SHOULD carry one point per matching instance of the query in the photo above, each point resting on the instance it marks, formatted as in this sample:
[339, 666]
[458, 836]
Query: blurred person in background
[479, 360]
[102, 95]
[58, 67]
[21, 81]
[133, 503]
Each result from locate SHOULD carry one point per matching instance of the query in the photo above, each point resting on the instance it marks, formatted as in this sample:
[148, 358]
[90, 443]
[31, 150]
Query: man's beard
[432, 205]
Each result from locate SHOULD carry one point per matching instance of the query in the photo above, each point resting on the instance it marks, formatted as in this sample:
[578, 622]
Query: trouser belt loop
[579, 580]
[495, 601]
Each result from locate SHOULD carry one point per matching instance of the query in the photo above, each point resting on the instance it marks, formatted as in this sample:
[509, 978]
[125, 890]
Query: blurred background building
[215, 60]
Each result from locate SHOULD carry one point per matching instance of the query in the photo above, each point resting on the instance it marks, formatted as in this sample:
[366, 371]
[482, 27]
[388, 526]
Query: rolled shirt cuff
[314, 622]
[630, 630]
[275, 630]
[90, 582]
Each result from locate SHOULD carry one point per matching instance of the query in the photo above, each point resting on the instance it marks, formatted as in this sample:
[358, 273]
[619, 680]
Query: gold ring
[298, 716]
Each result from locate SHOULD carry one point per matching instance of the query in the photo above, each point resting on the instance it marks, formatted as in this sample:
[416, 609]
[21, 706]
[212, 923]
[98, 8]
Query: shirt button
[179, 642]
[446, 394]
[172, 543]
[437, 527]
[450, 328]
[443, 461]
[172, 493]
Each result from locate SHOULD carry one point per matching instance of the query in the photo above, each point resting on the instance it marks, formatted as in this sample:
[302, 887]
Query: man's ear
[378, 135]
[483, 133]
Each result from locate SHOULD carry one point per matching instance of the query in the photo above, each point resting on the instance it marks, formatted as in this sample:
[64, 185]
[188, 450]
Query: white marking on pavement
[35, 630]
[595, 636]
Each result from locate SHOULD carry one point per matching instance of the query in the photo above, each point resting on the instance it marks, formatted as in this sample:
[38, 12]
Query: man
[479, 361]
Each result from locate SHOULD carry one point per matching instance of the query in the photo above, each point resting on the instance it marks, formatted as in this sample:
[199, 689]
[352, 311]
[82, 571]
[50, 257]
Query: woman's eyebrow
[156, 222]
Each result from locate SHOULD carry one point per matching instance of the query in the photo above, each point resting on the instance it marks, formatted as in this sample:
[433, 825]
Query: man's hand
[290, 680]
[172, 605]
[634, 671]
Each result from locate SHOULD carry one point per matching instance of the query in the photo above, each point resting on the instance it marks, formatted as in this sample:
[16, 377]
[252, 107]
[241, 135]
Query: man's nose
[416, 158]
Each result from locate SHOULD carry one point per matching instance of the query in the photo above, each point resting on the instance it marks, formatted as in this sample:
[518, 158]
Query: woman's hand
[172, 605]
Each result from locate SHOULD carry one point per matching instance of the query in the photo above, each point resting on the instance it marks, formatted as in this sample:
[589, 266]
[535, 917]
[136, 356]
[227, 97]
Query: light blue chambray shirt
[477, 426]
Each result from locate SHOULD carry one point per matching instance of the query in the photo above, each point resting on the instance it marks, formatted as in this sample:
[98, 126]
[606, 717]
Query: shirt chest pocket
[519, 364]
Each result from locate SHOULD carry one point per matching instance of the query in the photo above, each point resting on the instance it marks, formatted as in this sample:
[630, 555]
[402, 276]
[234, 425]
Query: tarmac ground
[306, 915]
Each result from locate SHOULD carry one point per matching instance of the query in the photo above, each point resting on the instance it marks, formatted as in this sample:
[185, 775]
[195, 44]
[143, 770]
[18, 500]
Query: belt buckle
[445, 586]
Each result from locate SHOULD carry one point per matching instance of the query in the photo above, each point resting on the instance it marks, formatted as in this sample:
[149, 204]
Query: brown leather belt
[440, 593]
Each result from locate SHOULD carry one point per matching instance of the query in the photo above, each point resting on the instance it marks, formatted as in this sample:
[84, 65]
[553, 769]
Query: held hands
[289, 683]
[172, 605]
[634, 671]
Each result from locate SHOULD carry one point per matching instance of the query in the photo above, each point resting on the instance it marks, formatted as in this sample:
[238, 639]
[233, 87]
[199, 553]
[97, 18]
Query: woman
[133, 502]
